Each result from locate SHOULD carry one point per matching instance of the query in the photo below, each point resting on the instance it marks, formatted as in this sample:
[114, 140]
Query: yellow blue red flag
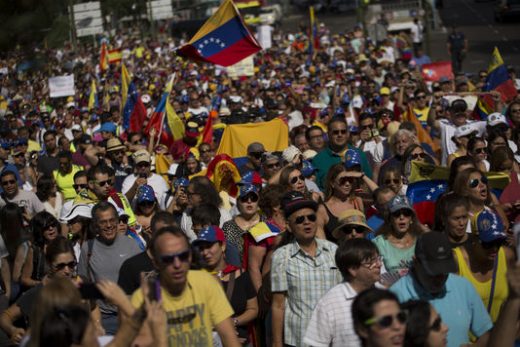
[93, 96]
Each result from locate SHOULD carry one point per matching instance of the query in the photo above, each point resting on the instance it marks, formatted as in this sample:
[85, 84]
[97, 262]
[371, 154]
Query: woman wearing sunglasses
[485, 261]
[477, 149]
[461, 138]
[378, 318]
[414, 153]
[397, 237]
[472, 184]
[211, 246]
[248, 216]
[392, 178]
[424, 327]
[78, 221]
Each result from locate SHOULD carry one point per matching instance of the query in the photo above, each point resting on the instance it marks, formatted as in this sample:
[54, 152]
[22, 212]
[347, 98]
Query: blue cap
[490, 227]
[399, 202]
[145, 193]
[109, 127]
[247, 189]
[353, 129]
[181, 182]
[307, 169]
[352, 158]
[211, 234]
[251, 177]
[5, 145]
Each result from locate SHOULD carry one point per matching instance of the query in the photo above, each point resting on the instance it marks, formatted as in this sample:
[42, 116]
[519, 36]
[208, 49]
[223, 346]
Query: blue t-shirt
[460, 307]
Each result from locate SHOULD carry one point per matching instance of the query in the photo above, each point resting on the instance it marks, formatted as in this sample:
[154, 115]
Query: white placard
[61, 86]
[89, 31]
[245, 67]
[87, 6]
[82, 15]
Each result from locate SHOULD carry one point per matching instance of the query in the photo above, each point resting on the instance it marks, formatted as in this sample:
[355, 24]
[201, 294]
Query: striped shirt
[304, 279]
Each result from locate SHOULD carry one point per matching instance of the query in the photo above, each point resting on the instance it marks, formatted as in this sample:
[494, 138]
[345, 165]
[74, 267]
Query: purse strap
[230, 286]
[493, 282]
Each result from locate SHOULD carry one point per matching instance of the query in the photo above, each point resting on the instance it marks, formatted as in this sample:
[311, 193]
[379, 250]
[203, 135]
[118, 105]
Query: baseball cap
[352, 158]
[290, 153]
[464, 130]
[210, 234]
[459, 105]
[307, 169]
[181, 182]
[399, 202]
[490, 227]
[350, 217]
[496, 118]
[108, 127]
[145, 193]
[141, 155]
[85, 139]
[251, 177]
[114, 144]
[246, 189]
[192, 129]
[434, 251]
[255, 147]
[384, 91]
[294, 201]
[79, 210]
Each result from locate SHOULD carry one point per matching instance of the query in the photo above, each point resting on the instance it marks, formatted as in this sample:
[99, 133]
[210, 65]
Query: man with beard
[455, 299]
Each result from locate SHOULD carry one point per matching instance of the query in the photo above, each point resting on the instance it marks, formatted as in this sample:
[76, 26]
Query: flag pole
[168, 88]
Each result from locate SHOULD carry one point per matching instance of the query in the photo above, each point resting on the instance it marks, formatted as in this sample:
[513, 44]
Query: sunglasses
[123, 219]
[480, 150]
[388, 320]
[352, 229]
[6, 183]
[474, 182]
[79, 186]
[404, 211]
[202, 151]
[49, 227]
[71, 265]
[394, 181]
[310, 217]
[19, 155]
[339, 132]
[104, 183]
[256, 155]
[147, 203]
[272, 166]
[170, 259]
[515, 110]
[249, 197]
[416, 156]
[437, 324]
[346, 179]
[420, 97]
[296, 178]
[182, 320]
[369, 126]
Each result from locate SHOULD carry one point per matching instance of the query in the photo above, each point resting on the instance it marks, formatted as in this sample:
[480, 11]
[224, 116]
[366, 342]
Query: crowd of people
[112, 238]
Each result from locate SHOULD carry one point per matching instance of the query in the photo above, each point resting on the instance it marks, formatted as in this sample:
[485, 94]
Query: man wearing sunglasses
[143, 175]
[331, 322]
[195, 303]
[28, 201]
[312, 259]
[455, 299]
[334, 152]
[255, 151]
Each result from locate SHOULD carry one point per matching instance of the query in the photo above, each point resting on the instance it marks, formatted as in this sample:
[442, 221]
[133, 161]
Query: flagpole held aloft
[168, 90]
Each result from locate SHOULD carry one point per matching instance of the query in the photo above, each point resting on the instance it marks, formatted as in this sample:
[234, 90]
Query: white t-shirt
[447, 132]
[331, 322]
[159, 185]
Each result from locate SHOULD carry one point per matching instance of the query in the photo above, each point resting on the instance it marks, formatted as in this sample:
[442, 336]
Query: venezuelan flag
[134, 112]
[223, 39]
[497, 79]
[103, 57]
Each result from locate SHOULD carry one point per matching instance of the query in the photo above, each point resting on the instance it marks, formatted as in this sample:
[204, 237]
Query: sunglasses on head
[71, 265]
[170, 259]
[416, 156]
[339, 132]
[310, 217]
[394, 181]
[404, 211]
[249, 197]
[256, 155]
[388, 320]
[437, 324]
[474, 182]
[79, 186]
[104, 183]
[5, 183]
[346, 179]
[296, 178]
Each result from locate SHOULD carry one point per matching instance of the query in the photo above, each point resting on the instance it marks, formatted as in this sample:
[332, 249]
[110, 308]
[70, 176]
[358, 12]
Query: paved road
[476, 20]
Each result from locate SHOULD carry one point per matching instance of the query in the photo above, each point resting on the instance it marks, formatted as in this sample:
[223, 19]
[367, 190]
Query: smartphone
[154, 289]
[90, 291]
[143, 175]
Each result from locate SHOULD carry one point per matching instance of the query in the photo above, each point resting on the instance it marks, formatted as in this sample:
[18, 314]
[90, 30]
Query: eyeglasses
[474, 182]
[394, 181]
[79, 186]
[346, 179]
[387, 321]
[273, 165]
[404, 211]
[416, 156]
[437, 324]
[71, 265]
[256, 155]
[6, 183]
[368, 126]
[104, 183]
[339, 132]
[372, 262]
[249, 197]
[310, 217]
[50, 226]
[296, 178]
[170, 258]
[480, 150]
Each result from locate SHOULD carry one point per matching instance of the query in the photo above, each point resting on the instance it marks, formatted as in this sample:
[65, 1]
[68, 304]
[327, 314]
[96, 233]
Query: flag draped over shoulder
[164, 116]
[223, 39]
[274, 135]
[422, 134]
[103, 57]
[497, 79]
[134, 111]
[93, 102]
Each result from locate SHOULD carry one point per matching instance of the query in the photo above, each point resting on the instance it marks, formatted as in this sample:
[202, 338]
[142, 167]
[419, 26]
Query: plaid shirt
[304, 279]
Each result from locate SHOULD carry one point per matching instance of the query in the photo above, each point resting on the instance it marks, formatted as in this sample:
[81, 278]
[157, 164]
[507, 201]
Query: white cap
[79, 210]
[290, 153]
[464, 130]
[496, 119]
[76, 127]
[70, 104]
[309, 154]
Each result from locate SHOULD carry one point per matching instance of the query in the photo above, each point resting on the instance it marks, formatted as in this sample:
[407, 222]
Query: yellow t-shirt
[193, 315]
[65, 183]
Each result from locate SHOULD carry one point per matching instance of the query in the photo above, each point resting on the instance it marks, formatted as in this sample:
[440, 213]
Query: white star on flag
[428, 197]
